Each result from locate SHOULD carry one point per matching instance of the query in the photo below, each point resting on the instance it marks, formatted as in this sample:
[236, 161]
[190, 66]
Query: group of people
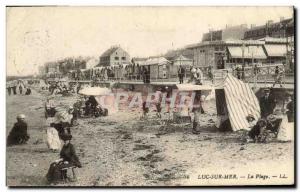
[58, 88]
[268, 123]
[278, 74]
[196, 75]
[60, 130]
[12, 86]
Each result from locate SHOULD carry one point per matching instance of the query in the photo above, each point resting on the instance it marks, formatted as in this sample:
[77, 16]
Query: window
[116, 58]
[123, 58]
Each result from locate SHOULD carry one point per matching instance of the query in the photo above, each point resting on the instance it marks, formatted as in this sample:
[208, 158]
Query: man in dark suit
[181, 74]
[267, 104]
[290, 109]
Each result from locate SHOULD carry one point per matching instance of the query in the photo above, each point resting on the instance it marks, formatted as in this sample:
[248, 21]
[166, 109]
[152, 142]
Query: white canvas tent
[238, 101]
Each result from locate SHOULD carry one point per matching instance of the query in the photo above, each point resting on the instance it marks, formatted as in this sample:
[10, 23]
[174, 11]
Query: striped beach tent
[239, 101]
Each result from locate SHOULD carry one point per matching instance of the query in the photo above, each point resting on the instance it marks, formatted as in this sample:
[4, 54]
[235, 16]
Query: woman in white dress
[53, 141]
[286, 129]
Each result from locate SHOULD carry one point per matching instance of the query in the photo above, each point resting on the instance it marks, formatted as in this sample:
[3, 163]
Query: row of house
[234, 45]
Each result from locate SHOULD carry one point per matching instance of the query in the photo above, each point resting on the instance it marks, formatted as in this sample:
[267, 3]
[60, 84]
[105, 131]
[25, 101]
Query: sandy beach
[124, 150]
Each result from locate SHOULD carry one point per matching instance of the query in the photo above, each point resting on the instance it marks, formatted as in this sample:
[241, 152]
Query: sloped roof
[92, 63]
[182, 58]
[109, 51]
[156, 61]
[139, 59]
[172, 54]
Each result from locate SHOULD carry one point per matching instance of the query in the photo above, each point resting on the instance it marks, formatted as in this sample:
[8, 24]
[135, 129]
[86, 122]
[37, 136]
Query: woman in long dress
[286, 128]
[53, 141]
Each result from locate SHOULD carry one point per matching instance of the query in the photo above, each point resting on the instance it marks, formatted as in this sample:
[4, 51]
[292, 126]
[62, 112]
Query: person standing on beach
[197, 110]
[8, 87]
[290, 109]
[267, 104]
[14, 87]
[20, 88]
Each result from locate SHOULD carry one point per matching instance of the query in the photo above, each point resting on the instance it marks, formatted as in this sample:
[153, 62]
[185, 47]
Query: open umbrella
[192, 87]
[95, 91]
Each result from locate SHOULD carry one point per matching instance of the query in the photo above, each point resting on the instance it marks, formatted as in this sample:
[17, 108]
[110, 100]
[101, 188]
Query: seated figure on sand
[18, 134]
[68, 159]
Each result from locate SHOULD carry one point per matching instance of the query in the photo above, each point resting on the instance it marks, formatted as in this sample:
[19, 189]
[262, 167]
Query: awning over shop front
[250, 52]
[275, 50]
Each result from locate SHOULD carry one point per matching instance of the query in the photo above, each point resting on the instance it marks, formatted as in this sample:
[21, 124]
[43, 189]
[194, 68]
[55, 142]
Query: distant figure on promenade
[210, 74]
[146, 75]
[256, 70]
[267, 104]
[193, 75]
[278, 76]
[18, 134]
[243, 72]
[143, 74]
[181, 73]
[238, 72]
[199, 76]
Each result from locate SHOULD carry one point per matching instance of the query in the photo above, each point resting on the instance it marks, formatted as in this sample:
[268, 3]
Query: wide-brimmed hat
[262, 121]
[250, 116]
[21, 116]
[271, 118]
[66, 137]
[266, 90]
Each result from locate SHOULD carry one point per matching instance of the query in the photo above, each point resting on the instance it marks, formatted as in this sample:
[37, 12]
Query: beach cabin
[158, 66]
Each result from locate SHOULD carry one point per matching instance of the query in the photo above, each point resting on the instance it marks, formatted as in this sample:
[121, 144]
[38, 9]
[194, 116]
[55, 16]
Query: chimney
[252, 26]
[270, 22]
[281, 19]
[244, 25]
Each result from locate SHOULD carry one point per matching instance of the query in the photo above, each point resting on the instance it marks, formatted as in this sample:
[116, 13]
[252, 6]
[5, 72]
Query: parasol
[192, 87]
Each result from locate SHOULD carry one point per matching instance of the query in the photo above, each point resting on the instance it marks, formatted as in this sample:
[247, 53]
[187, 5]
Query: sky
[35, 35]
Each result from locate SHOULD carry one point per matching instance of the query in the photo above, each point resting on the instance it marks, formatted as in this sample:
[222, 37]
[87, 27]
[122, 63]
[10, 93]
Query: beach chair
[74, 178]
